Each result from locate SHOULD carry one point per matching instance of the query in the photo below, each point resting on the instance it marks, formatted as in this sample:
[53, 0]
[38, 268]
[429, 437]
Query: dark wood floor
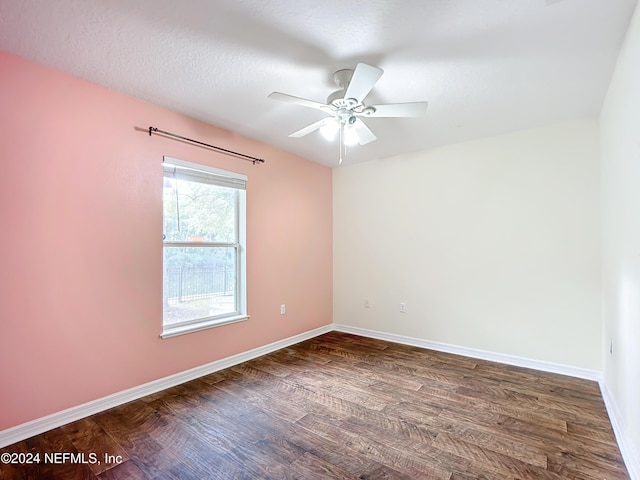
[342, 406]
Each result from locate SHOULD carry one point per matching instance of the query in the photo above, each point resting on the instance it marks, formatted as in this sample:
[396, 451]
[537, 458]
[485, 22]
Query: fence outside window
[183, 284]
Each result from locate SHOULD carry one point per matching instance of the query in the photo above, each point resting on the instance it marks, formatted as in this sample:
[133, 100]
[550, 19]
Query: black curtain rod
[249, 158]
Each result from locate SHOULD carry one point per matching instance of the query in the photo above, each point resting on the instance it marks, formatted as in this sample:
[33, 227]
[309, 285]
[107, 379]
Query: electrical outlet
[403, 307]
[366, 303]
[283, 309]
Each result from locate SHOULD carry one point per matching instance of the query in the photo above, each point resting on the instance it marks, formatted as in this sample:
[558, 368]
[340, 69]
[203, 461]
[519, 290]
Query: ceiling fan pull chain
[342, 146]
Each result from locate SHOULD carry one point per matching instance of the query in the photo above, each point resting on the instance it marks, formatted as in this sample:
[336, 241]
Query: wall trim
[625, 444]
[43, 424]
[540, 365]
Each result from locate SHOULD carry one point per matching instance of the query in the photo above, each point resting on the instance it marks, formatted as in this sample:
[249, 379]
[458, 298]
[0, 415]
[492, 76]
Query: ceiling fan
[346, 107]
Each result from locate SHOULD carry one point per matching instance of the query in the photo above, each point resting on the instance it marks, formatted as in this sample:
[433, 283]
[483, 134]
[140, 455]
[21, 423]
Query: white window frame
[240, 314]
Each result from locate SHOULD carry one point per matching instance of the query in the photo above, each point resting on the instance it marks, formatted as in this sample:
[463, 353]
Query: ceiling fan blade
[283, 97]
[363, 79]
[412, 109]
[365, 135]
[311, 128]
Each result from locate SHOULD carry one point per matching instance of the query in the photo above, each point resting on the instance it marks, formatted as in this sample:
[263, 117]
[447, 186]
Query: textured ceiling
[484, 66]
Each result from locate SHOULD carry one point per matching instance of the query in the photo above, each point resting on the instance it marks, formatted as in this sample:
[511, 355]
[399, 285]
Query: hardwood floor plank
[384, 472]
[16, 470]
[400, 460]
[343, 406]
[87, 436]
[498, 444]
[381, 426]
[310, 466]
[127, 470]
[496, 461]
[329, 451]
[500, 421]
[52, 442]
[596, 433]
[334, 405]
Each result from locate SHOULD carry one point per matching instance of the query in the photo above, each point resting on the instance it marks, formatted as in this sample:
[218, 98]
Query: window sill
[169, 331]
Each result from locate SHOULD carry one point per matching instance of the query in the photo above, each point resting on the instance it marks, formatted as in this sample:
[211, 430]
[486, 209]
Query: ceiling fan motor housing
[343, 77]
[337, 100]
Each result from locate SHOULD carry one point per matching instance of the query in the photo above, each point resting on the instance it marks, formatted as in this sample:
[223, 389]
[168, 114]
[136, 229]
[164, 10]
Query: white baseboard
[628, 450]
[475, 353]
[40, 425]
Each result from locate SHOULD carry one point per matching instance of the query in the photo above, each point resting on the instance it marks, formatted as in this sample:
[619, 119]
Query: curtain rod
[249, 158]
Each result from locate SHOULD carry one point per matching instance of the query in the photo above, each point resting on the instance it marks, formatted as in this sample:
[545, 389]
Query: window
[203, 246]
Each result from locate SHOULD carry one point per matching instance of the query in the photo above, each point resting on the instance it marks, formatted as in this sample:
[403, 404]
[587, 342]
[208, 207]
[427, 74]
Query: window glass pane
[199, 282]
[198, 212]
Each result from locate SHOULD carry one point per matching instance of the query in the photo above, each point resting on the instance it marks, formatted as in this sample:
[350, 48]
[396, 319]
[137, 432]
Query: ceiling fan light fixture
[329, 130]
[350, 136]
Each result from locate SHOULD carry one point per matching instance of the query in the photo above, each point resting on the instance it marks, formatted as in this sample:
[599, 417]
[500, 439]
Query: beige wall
[620, 130]
[493, 244]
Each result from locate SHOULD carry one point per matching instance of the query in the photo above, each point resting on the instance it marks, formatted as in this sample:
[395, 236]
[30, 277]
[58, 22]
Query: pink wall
[81, 252]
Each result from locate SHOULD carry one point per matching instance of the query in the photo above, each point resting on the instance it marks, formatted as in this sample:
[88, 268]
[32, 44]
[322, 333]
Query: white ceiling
[485, 66]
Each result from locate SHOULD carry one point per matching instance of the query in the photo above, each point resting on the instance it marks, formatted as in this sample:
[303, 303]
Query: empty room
[303, 240]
